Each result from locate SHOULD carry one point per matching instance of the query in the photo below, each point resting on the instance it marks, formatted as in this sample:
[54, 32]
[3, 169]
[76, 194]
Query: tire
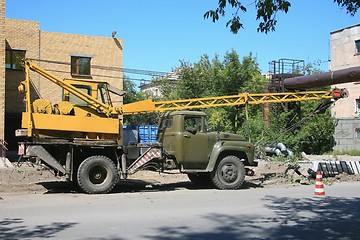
[229, 173]
[97, 174]
[200, 179]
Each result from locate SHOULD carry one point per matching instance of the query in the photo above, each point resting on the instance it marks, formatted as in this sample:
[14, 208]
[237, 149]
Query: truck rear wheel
[97, 174]
[229, 173]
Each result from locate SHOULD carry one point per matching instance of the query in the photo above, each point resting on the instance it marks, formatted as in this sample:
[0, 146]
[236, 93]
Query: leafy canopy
[132, 95]
[266, 12]
[231, 75]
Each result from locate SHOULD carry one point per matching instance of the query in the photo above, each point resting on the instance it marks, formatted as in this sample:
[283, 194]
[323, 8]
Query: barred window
[357, 106]
[357, 133]
[357, 47]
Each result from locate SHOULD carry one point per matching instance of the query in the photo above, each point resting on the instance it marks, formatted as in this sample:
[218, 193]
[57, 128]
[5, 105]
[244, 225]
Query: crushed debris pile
[304, 172]
[24, 178]
[5, 163]
[279, 173]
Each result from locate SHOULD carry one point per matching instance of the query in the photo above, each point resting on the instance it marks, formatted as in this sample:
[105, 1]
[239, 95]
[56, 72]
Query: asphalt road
[185, 213]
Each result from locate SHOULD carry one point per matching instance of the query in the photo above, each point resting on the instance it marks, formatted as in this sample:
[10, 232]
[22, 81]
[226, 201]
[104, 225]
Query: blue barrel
[147, 133]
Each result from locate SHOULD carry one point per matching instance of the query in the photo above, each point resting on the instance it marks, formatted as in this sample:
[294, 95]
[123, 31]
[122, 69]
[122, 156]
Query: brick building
[345, 53]
[2, 69]
[64, 55]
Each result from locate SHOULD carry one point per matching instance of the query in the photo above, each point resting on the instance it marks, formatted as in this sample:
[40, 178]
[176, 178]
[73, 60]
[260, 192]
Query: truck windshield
[103, 96]
[76, 100]
[104, 91]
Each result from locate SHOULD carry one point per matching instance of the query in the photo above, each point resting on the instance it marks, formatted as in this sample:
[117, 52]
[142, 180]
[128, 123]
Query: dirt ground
[32, 179]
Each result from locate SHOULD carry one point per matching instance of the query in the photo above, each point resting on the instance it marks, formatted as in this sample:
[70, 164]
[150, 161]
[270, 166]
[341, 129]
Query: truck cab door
[195, 147]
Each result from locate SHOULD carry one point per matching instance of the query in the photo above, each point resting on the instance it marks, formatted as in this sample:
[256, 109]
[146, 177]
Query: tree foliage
[219, 77]
[231, 75]
[289, 123]
[132, 95]
[302, 126]
[302, 129]
[266, 12]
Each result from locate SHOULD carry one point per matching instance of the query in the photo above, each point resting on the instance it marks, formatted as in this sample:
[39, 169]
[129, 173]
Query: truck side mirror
[218, 127]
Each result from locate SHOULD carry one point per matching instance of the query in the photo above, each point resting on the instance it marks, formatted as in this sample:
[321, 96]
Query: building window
[13, 59]
[357, 133]
[357, 106]
[357, 47]
[80, 66]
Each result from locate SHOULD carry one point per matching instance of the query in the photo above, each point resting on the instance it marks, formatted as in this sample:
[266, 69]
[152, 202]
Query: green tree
[303, 126]
[216, 77]
[233, 75]
[310, 131]
[266, 11]
[316, 134]
[132, 95]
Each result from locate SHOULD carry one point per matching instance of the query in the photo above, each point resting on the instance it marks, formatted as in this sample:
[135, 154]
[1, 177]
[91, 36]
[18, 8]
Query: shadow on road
[15, 228]
[58, 187]
[295, 218]
[134, 185]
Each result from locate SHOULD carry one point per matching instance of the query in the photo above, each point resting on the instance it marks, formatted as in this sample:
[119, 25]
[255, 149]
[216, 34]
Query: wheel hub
[97, 175]
[229, 173]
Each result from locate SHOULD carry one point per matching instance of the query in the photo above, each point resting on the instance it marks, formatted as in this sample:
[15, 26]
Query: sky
[158, 34]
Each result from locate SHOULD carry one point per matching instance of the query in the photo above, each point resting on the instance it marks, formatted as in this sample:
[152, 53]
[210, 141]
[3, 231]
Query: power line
[106, 76]
[116, 69]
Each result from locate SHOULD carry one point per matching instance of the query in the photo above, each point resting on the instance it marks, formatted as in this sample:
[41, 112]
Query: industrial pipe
[323, 79]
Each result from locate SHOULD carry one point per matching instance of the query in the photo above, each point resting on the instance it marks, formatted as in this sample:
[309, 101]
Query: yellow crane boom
[234, 100]
[184, 104]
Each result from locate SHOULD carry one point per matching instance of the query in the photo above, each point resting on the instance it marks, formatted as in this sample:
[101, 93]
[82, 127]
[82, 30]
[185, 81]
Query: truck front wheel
[229, 173]
[97, 174]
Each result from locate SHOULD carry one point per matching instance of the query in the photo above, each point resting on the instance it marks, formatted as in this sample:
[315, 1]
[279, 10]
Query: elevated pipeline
[323, 79]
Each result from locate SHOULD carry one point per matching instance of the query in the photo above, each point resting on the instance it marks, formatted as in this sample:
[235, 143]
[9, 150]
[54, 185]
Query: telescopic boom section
[96, 104]
[235, 100]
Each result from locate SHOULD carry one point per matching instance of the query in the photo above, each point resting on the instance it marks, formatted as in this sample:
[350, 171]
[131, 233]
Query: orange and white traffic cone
[319, 185]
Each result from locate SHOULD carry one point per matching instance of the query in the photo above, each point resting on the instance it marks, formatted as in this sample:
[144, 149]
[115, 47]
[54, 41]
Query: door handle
[186, 136]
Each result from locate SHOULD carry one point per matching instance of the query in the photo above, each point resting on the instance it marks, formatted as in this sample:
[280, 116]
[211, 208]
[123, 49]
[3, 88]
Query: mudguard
[230, 146]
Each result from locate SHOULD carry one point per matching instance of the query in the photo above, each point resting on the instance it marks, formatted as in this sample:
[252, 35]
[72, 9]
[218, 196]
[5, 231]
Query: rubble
[5, 163]
[303, 172]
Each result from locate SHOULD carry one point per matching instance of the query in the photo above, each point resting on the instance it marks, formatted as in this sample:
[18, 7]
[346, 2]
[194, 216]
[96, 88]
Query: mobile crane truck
[81, 136]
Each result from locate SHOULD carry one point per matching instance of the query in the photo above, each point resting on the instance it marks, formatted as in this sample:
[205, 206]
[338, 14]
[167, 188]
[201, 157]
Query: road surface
[185, 213]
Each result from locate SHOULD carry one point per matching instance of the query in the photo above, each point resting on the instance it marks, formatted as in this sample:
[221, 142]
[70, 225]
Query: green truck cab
[207, 157]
